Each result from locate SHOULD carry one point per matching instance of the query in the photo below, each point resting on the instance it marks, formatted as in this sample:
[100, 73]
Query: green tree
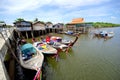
[48, 22]
[2, 21]
[19, 19]
[36, 19]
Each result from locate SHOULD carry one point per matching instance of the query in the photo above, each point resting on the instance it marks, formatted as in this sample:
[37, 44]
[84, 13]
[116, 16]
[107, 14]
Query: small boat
[30, 57]
[66, 42]
[58, 45]
[69, 32]
[44, 48]
[60, 40]
[56, 39]
[105, 34]
[110, 34]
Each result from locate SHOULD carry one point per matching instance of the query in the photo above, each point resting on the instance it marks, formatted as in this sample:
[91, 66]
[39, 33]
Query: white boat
[105, 34]
[69, 32]
[66, 42]
[30, 57]
[60, 40]
[110, 34]
[44, 48]
[61, 46]
[56, 39]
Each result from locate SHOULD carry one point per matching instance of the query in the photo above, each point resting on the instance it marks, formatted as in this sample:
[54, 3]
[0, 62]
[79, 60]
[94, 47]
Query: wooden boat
[69, 32]
[58, 45]
[30, 57]
[56, 39]
[64, 45]
[110, 34]
[60, 40]
[66, 42]
[105, 34]
[44, 48]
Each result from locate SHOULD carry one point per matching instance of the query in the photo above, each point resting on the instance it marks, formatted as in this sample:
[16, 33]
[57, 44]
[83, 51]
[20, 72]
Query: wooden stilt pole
[26, 34]
[39, 32]
[49, 30]
[32, 34]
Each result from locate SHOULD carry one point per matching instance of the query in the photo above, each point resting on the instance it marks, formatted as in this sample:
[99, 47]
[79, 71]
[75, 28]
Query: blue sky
[60, 11]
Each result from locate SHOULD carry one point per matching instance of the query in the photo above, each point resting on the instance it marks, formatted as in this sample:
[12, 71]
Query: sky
[60, 11]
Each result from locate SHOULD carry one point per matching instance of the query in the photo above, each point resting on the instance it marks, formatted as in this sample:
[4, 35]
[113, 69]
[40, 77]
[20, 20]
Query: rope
[37, 76]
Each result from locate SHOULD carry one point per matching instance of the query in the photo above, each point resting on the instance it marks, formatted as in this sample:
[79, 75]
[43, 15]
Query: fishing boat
[44, 48]
[66, 42]
[110, 34]
[56, 39]
[105, 34]
[69, 32]
[60, 40]
[58, 45]
[29, 57]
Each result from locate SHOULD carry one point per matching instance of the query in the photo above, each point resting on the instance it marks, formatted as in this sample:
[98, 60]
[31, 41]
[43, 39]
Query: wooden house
[49, 25]
[23, 25]
[38, 26]
[58, 26]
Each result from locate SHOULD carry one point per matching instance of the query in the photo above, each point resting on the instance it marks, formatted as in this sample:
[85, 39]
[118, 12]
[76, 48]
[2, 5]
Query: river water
[89, 59]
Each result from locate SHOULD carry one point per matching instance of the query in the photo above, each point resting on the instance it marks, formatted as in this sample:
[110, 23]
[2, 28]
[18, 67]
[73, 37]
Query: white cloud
[113, 17]
[92, 12]
[16, 6]
[76, 3]
[54, 16]
[78, 8]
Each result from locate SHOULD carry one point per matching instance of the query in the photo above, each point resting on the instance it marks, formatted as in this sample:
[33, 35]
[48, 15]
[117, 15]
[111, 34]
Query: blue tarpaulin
[28, 48]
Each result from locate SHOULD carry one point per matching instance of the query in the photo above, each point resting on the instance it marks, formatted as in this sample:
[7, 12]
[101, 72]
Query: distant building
[78, 25]
[77, 21]
[58, 26]
[23, 25]
[49, 25]
[38, 26]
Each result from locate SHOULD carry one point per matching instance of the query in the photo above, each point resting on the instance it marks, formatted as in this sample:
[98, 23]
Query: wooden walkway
[3, 50]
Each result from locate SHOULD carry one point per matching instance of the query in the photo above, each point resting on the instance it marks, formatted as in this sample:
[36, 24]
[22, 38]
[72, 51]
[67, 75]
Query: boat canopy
[28, 48]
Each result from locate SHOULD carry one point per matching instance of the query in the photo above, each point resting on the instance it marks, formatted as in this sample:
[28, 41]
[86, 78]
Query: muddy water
[89, 59]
